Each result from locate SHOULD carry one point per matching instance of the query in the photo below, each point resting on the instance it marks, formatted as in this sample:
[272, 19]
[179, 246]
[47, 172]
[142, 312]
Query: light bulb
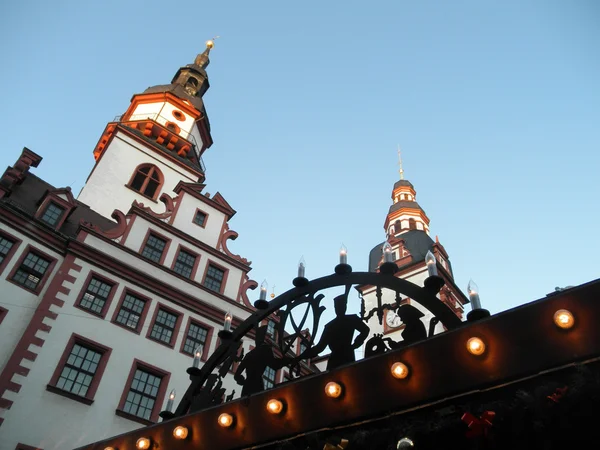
[228, 320]
[399, 370]
[343, 254]
[564, 319]
[431, 264]
[475, 346]
[225, 420]
[473, 291]
[180, 432]
[388, 253]
[333, 389]
[301, 268]
[143, 443]
[197, 356]
[274, 406]
[263, 290]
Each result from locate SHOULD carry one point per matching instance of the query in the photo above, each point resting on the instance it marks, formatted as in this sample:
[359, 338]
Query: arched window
[147, 180]
[412, 224]
[397, 226]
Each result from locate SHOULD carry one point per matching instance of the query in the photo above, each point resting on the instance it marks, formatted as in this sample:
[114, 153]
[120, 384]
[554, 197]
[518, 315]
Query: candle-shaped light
[197, 356]
[343, 254]
[431, 264]
[388, 253]
[263, 290]
[171, 400]
[228, 320]
[301, 267]
[473, 291]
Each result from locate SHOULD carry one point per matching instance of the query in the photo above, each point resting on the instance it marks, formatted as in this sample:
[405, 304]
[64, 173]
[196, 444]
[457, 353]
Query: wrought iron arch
[304, 292]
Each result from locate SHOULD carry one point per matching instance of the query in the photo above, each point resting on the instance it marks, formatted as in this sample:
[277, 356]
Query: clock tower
[407, 231]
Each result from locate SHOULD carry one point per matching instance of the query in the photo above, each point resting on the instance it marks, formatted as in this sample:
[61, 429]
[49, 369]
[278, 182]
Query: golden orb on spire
[210, 43]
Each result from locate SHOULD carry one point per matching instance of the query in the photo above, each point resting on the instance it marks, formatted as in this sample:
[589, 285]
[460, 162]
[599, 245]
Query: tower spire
[202, 60]
[400, 163]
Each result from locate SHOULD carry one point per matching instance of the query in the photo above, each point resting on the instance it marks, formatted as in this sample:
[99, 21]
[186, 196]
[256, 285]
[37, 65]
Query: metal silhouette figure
[210, 394]
[339, 335]
[256, 362]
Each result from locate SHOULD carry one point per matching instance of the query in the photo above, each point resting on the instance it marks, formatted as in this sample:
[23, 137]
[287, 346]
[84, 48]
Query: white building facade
[100, 318]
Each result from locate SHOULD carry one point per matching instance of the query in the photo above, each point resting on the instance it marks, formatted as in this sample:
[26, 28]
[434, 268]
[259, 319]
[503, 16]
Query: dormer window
[52, 214]
[147, 180]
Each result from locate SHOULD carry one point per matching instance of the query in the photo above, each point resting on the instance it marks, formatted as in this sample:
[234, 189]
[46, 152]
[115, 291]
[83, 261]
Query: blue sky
[495, 105]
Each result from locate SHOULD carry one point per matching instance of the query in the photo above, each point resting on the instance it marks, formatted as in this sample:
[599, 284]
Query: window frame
[59, 219]
[167, 240]
[16, 244]
[205, 218]
[209, 335]
[109, 299]
[3, 314]
[161, 182]
[268, 335]
[143, 315]
[160, 397]
[59, 201]
[194, 267]
[40, 286]
[105, 352]
[175, 334]
[225, 275]
[265, 379]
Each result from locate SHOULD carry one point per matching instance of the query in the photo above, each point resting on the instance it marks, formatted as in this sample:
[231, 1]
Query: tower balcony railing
[163, 121]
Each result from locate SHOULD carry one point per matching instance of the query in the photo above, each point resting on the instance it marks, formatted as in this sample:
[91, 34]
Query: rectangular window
[214, 278]
[95, 296]
[52, 214]
[196, 336]
[184, 264]
[31, 271]
[302, 347]
[5, 246]
[269, 378]
[142, 394]
[79, 370]
[131, 311]
[271, 329]
[200, 218]
[164, 326]
[154, 248]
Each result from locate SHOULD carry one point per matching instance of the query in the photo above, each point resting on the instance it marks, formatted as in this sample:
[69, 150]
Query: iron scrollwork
[343, 334]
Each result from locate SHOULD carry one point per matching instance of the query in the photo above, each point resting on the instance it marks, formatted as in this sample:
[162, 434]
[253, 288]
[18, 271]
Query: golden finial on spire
[211, 42]
[400, 163]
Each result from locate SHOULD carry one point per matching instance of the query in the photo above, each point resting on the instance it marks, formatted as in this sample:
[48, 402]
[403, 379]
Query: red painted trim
[143, 315]
[81, 340]
[111, 294]
[50, 198]
[36, 324]
[160, 236]
[196, 262]
[178, 115]
[219, 266]
[130, 223]
[177, 204]
[205, 218]
[188, 188]
[43, 280]
[164, 383]
[175, 334]
[141, 279]
[27, 447]
[3, 314]
[189, 239]
[12, 251]
[209, 335]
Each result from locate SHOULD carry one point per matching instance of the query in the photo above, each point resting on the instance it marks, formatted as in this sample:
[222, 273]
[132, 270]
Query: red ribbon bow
[558, 394]
[478, 426]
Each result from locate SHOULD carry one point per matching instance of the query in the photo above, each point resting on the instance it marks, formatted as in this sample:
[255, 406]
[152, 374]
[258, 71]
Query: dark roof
[179, 91]
[26, 198]
[417, 242]
[399, 183]
[404, 204]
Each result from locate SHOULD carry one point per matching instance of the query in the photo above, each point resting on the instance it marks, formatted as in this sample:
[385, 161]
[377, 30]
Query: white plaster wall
[184, 220]
[106, 187]
[134, 241]
[53, 422]
[20, 303]
[162, 112]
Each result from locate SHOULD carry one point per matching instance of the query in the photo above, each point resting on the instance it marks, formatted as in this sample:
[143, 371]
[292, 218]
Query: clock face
[392, 320]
